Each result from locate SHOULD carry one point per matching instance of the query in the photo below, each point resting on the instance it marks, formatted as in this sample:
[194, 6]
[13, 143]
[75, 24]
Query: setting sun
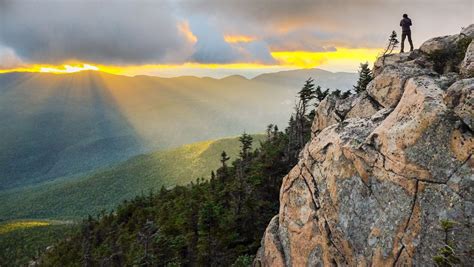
[59, 69]
[68, 68]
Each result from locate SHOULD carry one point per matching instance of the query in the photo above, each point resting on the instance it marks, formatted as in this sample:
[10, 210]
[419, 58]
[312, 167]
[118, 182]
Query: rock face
[383, 174]
[467, 65]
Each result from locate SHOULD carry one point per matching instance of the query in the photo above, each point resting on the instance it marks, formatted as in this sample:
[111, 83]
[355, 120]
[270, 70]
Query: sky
[212, 37]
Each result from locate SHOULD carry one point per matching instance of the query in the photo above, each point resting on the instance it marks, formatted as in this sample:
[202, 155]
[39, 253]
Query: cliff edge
[387, 177]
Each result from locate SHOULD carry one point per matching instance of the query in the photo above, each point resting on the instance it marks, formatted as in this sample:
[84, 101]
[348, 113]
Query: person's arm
[401, 21]
[409, 20]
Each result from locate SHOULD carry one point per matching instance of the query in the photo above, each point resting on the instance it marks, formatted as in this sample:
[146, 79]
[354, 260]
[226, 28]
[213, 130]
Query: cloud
[209, 31]
[356, 23]
[184, 28]
[96, 31]
[229, 38]
[302, 40]
[8, 58]
[212, 47]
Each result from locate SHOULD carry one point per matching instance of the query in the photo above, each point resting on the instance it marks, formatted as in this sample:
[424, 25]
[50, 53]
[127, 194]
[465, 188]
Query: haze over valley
[62, 125]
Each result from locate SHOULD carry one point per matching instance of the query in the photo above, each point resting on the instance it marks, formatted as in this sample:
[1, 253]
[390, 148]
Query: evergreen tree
[392, 44]
[275, 130]
[320, 95]
[269, 131]
[365, 76]
[346, 94]
[87, 232]
[146, 237]
[302, 122]
[306, 94]
[336, 93]
[224, 159]
[208, 227]
[245, 145]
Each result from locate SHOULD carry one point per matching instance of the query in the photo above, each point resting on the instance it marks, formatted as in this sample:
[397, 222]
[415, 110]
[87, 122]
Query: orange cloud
[239, 38]
[184, 28]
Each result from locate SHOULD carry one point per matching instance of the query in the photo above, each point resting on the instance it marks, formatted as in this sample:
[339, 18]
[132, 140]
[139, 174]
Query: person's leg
[404, 35]
[409, 40]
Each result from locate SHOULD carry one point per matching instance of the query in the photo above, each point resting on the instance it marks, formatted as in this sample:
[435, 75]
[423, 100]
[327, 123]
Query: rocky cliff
[387, 177]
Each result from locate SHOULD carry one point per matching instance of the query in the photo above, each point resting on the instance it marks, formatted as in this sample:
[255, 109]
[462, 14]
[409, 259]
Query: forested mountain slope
[105, 189]
[207, 222]
[65, 125]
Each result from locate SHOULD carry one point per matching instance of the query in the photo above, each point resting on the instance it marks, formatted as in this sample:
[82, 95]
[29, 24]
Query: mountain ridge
[89, 72]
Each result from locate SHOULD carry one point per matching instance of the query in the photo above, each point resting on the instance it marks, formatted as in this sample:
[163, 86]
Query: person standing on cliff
[405, 23]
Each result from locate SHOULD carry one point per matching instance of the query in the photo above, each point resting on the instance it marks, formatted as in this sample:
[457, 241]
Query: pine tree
[306, 94]
[208, 224]
[245, 145]
[87, 229]
[269, 131]
[320, 95]
[224, 159]
[346, 94]
[392, 44]
[145, 237]
[365, 76]
[336, 93]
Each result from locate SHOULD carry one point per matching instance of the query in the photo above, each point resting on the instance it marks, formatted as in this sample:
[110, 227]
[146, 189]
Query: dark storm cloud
[136, 32]
[303, 40]
[363, 23]
[97, 31]
[211, 46]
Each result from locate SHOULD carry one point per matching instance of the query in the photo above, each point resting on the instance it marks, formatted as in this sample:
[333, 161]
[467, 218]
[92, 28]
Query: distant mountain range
[65, 125]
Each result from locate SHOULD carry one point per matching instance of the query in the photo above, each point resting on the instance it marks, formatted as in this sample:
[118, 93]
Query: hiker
[405, 23]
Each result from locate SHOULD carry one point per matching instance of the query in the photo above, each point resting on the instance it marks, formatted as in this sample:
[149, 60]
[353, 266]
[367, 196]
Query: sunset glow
[60, 69]
[239, 38]
[305, 59]
[68, 68]
[184, 28]
[342, 57]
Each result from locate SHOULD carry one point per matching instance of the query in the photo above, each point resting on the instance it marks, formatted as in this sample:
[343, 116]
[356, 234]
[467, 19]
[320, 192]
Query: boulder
[387, 87]
[460, 97]
[394, 59]
[438, 44]
[467, 65]
[414, 138]
[363, 106]
[468, 31]
[333, 110]
[325, 114]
